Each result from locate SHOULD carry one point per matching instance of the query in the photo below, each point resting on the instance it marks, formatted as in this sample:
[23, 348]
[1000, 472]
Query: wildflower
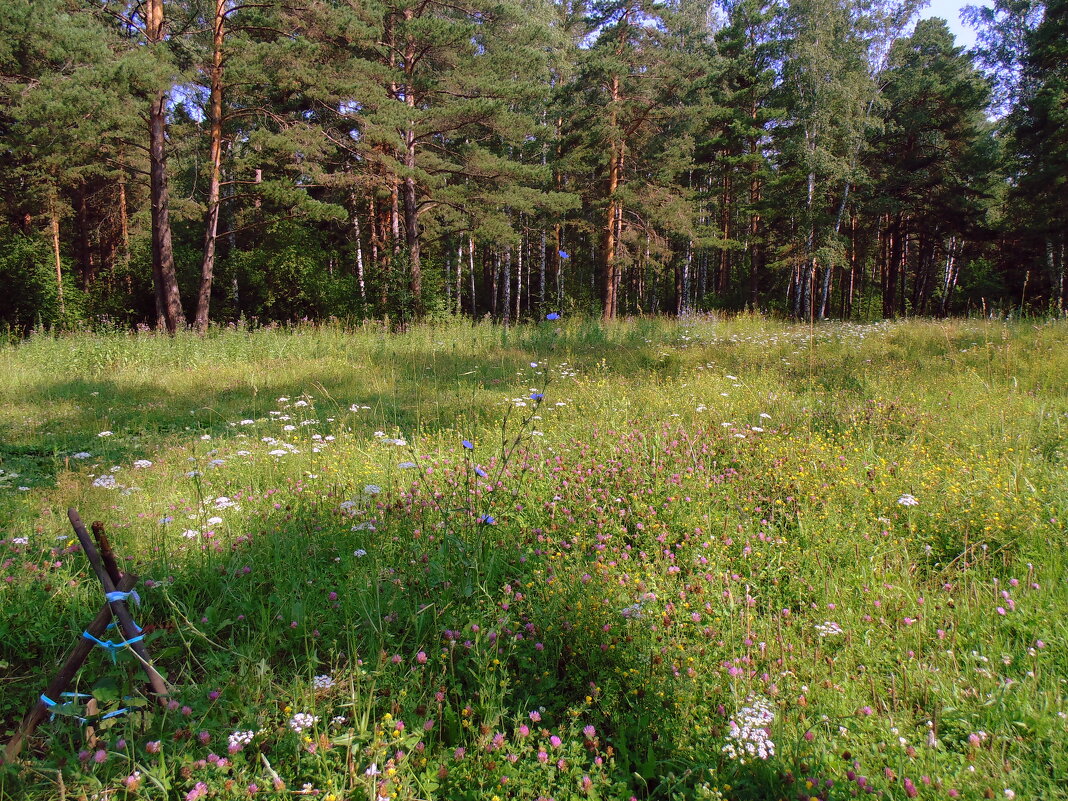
[199, 791]
[301, 721]
[406, 465]
[190, 533]
[467, 444]
[238, 740]
[359, 553]
[750, 737]
[82, 455]
[372, 489]
[372, 770]
[488, 520]
[105, 482]
[552, 315]
[536, 396]
[105, 434]
[20, 540]
[828, 628]
[480, 472]
[153, 747]
[323, 682]
[907, 500]
[142, 464]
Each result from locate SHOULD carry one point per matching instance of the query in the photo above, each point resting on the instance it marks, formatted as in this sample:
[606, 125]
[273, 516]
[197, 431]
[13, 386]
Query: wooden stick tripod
[116, 588]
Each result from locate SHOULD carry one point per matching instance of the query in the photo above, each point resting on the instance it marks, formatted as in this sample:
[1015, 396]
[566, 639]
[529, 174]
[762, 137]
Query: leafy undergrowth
[707, 560]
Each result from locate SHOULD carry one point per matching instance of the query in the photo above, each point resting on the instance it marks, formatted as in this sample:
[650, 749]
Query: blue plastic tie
[122, 596]
[52, 704]
[110, 646]
[115, 714]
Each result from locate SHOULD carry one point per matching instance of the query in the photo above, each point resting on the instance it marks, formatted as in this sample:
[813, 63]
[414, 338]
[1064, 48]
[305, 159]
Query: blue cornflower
[536, 396]
[552, 316]
[467, 444]
[487, 519]
[480, 472]
[564, 254]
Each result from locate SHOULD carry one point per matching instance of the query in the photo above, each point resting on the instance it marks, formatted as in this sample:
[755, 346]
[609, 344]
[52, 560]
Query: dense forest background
[174, 162]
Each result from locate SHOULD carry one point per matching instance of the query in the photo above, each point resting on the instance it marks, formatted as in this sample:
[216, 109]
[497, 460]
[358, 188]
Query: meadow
[704, 559]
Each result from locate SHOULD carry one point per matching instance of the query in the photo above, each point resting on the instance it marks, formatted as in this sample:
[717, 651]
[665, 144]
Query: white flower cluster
[105, 481]
[749, 736]
[908, 500]
[301, 721]
[828, 628]
[239, 739]
[323, 682]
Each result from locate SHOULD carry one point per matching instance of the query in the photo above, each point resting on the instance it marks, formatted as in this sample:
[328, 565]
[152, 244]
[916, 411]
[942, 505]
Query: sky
[949, 10]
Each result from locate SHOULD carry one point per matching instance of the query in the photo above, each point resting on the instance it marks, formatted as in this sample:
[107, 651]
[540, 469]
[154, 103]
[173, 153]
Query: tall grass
[660, 531]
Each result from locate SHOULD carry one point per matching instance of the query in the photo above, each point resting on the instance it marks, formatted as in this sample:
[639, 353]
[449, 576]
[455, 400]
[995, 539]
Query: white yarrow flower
[301, 721]
[749, 736]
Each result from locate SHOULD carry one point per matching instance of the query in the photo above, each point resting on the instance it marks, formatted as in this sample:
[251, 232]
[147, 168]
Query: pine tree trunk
[211, 222]
[53, 213]
[411, 205]
[608, 276]
[168, 299]
[471, 273]
[506, 287]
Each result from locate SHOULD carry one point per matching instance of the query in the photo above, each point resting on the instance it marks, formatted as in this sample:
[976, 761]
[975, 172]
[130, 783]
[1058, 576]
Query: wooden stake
[61, 682]
[127, 626]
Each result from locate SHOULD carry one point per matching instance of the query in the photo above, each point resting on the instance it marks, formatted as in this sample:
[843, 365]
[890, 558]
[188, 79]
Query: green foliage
[31, 297]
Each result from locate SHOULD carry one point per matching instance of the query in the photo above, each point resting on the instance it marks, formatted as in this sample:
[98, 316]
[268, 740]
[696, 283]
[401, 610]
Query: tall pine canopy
[178, 163]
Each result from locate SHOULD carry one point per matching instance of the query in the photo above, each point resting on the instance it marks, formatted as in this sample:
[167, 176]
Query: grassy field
[696, 560]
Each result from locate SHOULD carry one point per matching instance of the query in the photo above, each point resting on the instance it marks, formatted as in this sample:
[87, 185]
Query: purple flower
[467, 444]
[488, 520]
[553, 315]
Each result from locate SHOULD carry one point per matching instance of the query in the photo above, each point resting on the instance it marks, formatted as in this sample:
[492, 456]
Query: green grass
[676, 525]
